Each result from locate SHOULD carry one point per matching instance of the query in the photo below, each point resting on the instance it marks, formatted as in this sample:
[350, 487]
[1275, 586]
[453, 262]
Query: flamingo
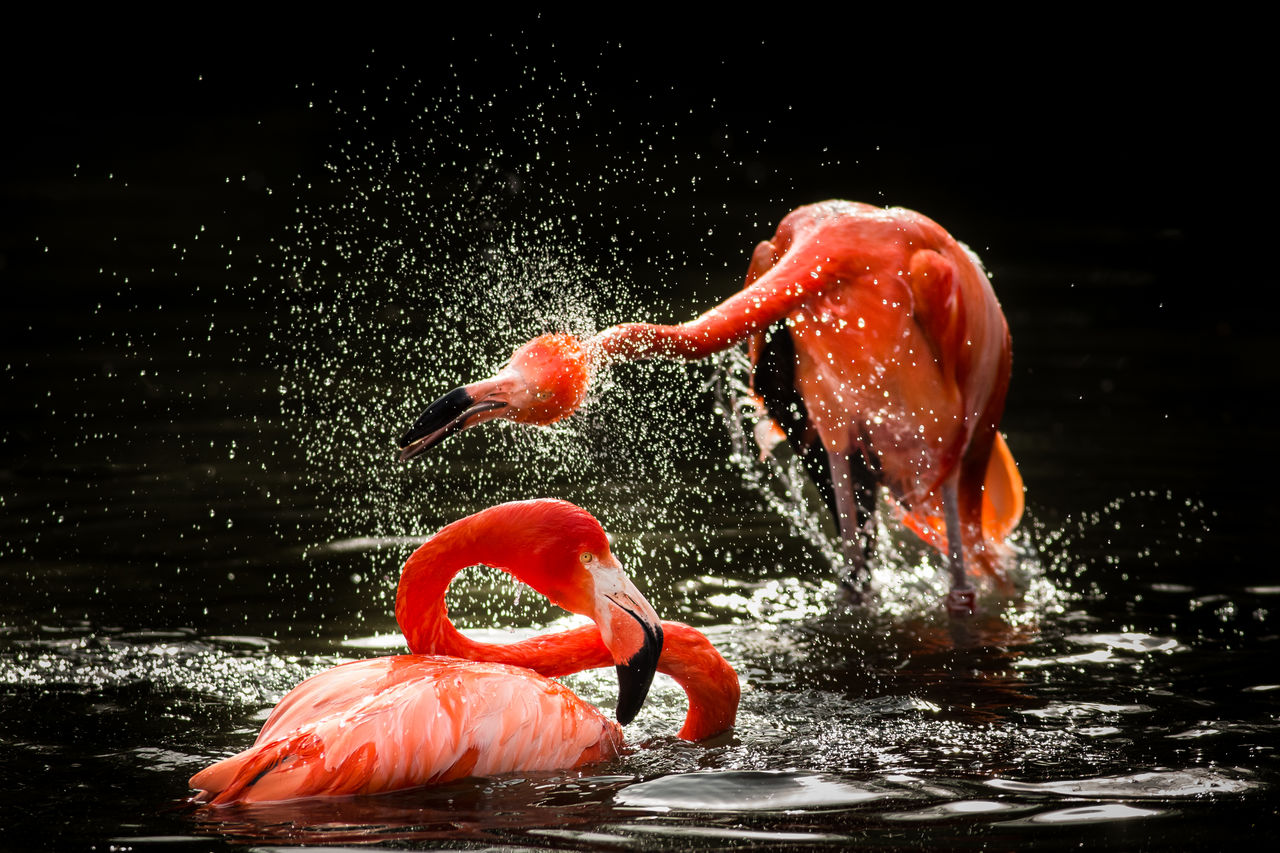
[878, 350]
[454, 707]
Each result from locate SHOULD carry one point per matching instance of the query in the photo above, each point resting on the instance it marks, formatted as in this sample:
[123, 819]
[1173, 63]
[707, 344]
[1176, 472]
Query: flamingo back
[401, 722]
[899, 347]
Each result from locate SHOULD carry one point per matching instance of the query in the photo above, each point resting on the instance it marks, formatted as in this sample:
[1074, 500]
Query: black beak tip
[440, 415]
[409, 451]
[636, 675]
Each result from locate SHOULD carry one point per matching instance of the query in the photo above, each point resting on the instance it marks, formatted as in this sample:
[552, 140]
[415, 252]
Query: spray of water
[419, 260]
[908, 576]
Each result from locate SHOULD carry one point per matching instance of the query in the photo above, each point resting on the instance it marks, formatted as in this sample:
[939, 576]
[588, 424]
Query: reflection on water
[1088, 814]
[745, 791]
[1159, 785]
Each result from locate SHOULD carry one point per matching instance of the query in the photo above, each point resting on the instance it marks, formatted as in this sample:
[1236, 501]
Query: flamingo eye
[587, 557]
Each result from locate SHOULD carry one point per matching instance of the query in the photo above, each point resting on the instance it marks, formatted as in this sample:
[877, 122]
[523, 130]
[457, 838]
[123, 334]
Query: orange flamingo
[877, 345]
[454, 707]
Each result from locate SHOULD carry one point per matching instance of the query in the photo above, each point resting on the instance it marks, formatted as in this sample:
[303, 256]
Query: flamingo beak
[636, 675]
[632, 631]
[460, 408]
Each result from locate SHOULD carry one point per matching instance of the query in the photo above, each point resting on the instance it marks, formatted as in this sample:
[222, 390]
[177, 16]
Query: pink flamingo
[455, 707]
[877, 345]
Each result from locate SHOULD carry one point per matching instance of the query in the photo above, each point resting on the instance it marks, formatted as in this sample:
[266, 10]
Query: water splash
[789, 492]
[420, 258]
[907, 575]
[419, 261]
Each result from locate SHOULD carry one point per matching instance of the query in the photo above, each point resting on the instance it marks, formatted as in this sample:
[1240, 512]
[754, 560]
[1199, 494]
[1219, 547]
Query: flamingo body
[902, 357]
[402, 722]
[456, 707]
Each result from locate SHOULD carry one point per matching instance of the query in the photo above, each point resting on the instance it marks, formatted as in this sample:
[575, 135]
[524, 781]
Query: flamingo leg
[961, 600]
[854, 483]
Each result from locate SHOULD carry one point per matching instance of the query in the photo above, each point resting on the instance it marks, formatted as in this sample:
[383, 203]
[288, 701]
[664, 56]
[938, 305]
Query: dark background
[1110, 173]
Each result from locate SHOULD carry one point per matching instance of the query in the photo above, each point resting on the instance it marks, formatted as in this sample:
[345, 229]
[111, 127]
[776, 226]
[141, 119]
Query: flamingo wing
[400, 722]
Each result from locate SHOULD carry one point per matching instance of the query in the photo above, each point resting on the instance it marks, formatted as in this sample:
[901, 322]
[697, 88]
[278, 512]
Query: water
[207, 366]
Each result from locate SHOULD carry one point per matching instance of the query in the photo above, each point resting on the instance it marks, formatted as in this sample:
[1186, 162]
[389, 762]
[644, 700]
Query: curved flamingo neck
[687, 656]
[709, 682]
[423, 615]
[420, 606]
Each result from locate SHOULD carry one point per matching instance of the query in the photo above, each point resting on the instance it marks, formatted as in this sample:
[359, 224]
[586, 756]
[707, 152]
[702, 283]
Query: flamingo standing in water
[454, 707]
[878, 348]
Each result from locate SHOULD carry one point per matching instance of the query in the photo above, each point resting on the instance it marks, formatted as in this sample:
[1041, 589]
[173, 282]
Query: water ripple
[1153, 785]
[747, 791]
[1086, 814]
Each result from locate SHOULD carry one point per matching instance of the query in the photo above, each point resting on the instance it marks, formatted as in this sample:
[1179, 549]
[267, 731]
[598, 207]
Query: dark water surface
[226, 294]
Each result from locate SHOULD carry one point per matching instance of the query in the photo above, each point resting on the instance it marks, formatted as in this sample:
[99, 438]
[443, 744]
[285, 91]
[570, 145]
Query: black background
[1116, 169]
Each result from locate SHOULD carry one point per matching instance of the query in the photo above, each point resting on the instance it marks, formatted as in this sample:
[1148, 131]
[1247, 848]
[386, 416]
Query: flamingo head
[544, 381]
[566, 557]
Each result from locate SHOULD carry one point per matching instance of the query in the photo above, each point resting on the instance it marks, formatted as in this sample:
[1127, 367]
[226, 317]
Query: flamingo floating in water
[455, 707]
[877, 346]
